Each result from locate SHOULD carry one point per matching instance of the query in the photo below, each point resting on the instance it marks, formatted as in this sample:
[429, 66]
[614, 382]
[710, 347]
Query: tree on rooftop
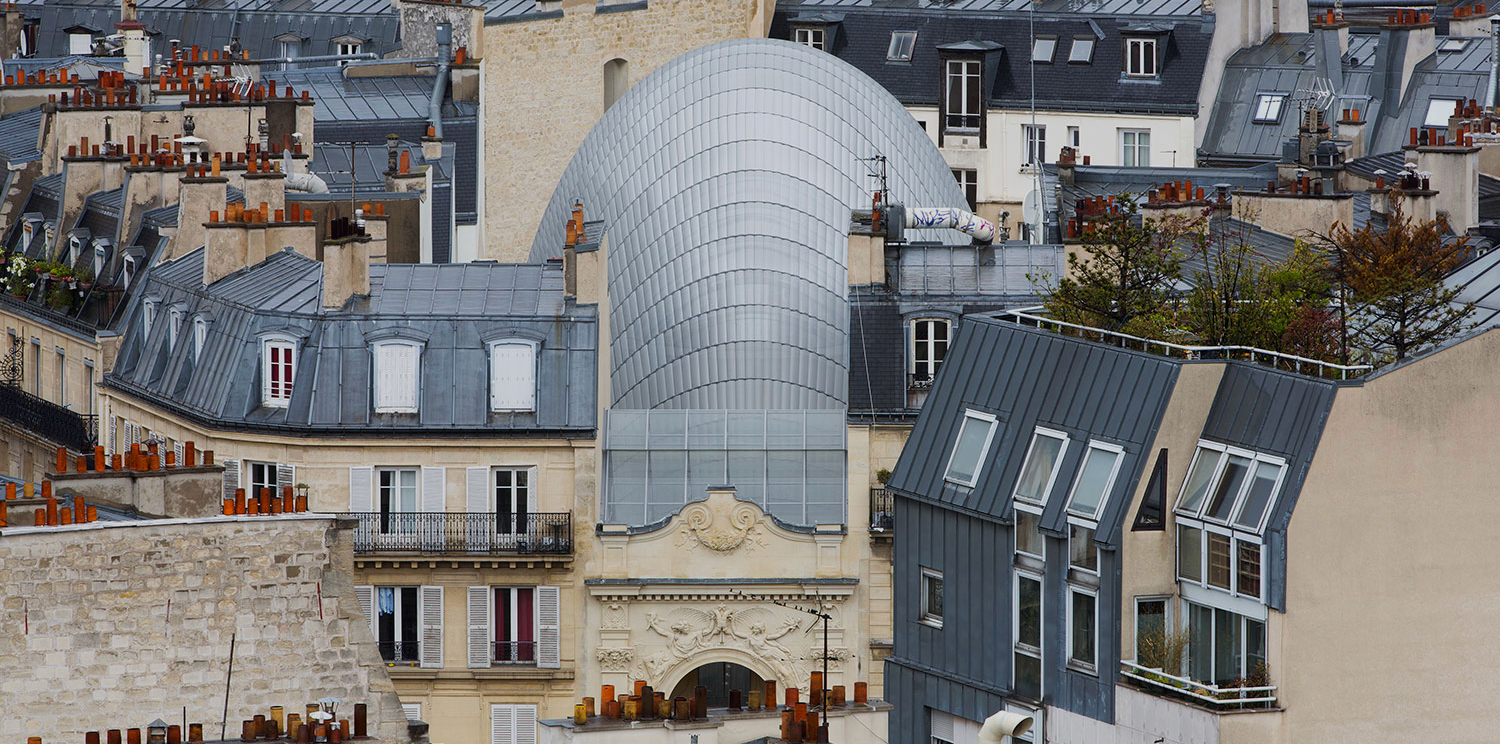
[1124, 277]
[1391, 281]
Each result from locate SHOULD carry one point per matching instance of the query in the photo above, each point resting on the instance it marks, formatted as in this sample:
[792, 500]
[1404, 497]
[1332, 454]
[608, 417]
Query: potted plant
[883, 476]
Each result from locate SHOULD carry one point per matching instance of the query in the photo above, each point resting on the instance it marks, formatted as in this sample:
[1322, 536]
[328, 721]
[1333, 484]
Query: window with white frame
[963, 108]
[1073, 137]
[127, 270]
[291, 48]
[261, 476]
[903, 43]
[348, 48]
[1152, 626]
[1220, 515]
[80, 43]
[1083, 627]
[1082, 51]
[1135, 148]
[1140, 57]
[174, 326]
[1268, 107]
[1225, 648]
[514, 624]
[932, 598]
[148, 316]
[88, 386]
[1101, 464]
[969, 449]
[398, 623]
[396, 498]
[968, 180]
[929, 346]
[512, 499]
[1034, 144]
[1083, 554]
[811, 36]
[1043, 48]
[278, 370]
[397, 375]
[62, 376]
[1029, 540]
[98, 261]
[513, 375]
[1039, 469]
[200, 336]
[1026, 670]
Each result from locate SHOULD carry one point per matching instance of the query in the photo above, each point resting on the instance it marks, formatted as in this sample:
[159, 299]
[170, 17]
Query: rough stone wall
[91, 641]
[544, 90]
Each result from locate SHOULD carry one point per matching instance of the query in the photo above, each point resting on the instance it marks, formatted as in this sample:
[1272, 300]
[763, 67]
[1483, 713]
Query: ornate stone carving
[615, 659]
[756, 631]
[615, 617]
[721, 523]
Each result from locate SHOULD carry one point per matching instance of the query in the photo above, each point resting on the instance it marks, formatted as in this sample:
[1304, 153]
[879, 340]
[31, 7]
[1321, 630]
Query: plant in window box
[59, 298]
[883, 476]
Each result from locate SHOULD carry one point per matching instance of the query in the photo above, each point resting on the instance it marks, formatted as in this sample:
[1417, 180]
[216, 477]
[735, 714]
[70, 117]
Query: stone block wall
[544, 90]
[111, 625]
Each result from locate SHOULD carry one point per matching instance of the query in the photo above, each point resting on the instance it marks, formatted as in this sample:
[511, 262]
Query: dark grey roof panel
[20, 136]
[1014, 8]
[364, 99]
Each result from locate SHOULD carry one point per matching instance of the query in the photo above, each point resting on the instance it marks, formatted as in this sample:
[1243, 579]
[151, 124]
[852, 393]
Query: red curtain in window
[525, 618]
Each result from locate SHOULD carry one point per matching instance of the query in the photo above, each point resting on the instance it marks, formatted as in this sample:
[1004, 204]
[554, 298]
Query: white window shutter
[361, 489]
[286, 475]
[531, 489]
[477, 503]
[432, 627]
[513, 377]
[548, 627]
[502, 724]
[434, 489]
[525, 724]
[366, 595]
[406, 371]
[479, 627]
[179, 452]
[114, 423]
[231, 477]
[413, 711]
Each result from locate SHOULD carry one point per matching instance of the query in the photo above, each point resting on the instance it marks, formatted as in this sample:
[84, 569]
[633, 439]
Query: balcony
[514, 652]
[444, 533]
[44, 418]
[917, 388]
[1210, 696]
[882, 511]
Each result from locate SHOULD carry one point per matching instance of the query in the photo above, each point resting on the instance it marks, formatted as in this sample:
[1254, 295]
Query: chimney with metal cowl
[346, 262]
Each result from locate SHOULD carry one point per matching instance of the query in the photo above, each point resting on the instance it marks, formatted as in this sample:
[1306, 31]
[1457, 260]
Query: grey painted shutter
[525, 723]
[480, 524]
[361, 485]
[366, 595]
[432, 627]
[502, 724]
[231, 477]
[548, 628]
[479, 627]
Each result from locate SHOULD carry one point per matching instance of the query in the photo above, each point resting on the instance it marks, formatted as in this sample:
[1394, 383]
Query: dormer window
[348, 46]
[148, 316]
[200, 336]
[1043, 48]
[1438, 111]
[1140, 57]
[396, 376]
[127, 271]
[903, 43]
[962, 110]
[1082, 51]
[290, 46]
[811, 36]
[513, 375]
[80, 40]
[278, 369]
[174, 326]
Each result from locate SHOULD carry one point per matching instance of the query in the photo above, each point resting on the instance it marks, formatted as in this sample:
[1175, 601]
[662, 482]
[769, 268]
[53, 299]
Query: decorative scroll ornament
[615, 659]
[756, 631]
[615, 617]
[721, 523]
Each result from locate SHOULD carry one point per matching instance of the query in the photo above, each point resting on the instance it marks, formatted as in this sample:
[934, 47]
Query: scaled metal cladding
[725, 180]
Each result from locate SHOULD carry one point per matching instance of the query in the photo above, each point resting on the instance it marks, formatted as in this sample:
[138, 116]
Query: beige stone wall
[63, 380]
[102, 649]
[1389, 630]
[872, 448]
[544, 90]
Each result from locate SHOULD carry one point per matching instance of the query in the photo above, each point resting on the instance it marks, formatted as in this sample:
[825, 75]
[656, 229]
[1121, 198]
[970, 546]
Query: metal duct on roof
[726, 180]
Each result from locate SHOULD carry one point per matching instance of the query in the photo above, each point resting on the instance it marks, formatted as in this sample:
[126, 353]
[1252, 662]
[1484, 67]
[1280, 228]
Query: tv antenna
[817, 612]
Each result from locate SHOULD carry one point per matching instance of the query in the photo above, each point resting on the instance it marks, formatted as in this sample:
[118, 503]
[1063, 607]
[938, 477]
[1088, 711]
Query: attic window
[396, 373]
[1438, 111]
[1082, 51]
[1140, 57]
[1453, 45]
[1268, 107]
[1042, 49]
[513, 375]
[80, 41]
[278, 358]
[810, 36]
[902, 45]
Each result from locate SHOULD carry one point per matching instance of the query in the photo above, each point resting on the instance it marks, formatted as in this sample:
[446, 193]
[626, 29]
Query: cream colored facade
[544, 88]
[58, 365]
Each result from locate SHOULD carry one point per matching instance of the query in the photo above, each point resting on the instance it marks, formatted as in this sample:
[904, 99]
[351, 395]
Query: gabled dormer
[817, 30]
[1144, 50]
[968, 73]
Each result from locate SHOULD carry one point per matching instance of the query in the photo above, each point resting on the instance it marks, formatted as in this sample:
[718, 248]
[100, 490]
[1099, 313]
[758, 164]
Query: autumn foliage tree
[1391, 281]
[1124, 277]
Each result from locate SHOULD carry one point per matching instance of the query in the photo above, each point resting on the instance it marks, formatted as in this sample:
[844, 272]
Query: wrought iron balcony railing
[400, 652]
[882, 511]
[479, 534]
[515, 652]
[47, 419]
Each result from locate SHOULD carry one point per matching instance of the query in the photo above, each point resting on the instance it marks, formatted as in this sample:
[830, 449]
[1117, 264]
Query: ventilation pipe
[961, 220]
[1489, 94]
[304, 182]
[445, 54]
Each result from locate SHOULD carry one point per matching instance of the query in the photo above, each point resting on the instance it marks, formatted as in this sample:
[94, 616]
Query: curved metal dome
[725, 180]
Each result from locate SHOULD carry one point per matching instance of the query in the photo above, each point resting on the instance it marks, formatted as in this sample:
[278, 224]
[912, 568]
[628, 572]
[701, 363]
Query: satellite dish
[1031, 208]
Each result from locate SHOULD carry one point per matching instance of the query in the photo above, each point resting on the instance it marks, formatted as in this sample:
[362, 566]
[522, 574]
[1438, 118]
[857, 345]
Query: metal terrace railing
[49, 420]
[515, 652]
[1274, 359]
[463, 533]
[882, 511]
[1214, 696]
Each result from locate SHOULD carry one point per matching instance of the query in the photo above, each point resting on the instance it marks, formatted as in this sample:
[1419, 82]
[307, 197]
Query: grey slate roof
[1043, 7]
[726, 178]
[364, 99]
[211, 24]
[456, 308]
[20, 135]
[864, 35]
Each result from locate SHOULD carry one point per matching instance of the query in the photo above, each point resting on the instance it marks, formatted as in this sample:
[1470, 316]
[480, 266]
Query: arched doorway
[719, 677]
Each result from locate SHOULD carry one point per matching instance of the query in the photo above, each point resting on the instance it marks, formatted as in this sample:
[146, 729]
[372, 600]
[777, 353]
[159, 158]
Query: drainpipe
[1489, 93]
[445, 55]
